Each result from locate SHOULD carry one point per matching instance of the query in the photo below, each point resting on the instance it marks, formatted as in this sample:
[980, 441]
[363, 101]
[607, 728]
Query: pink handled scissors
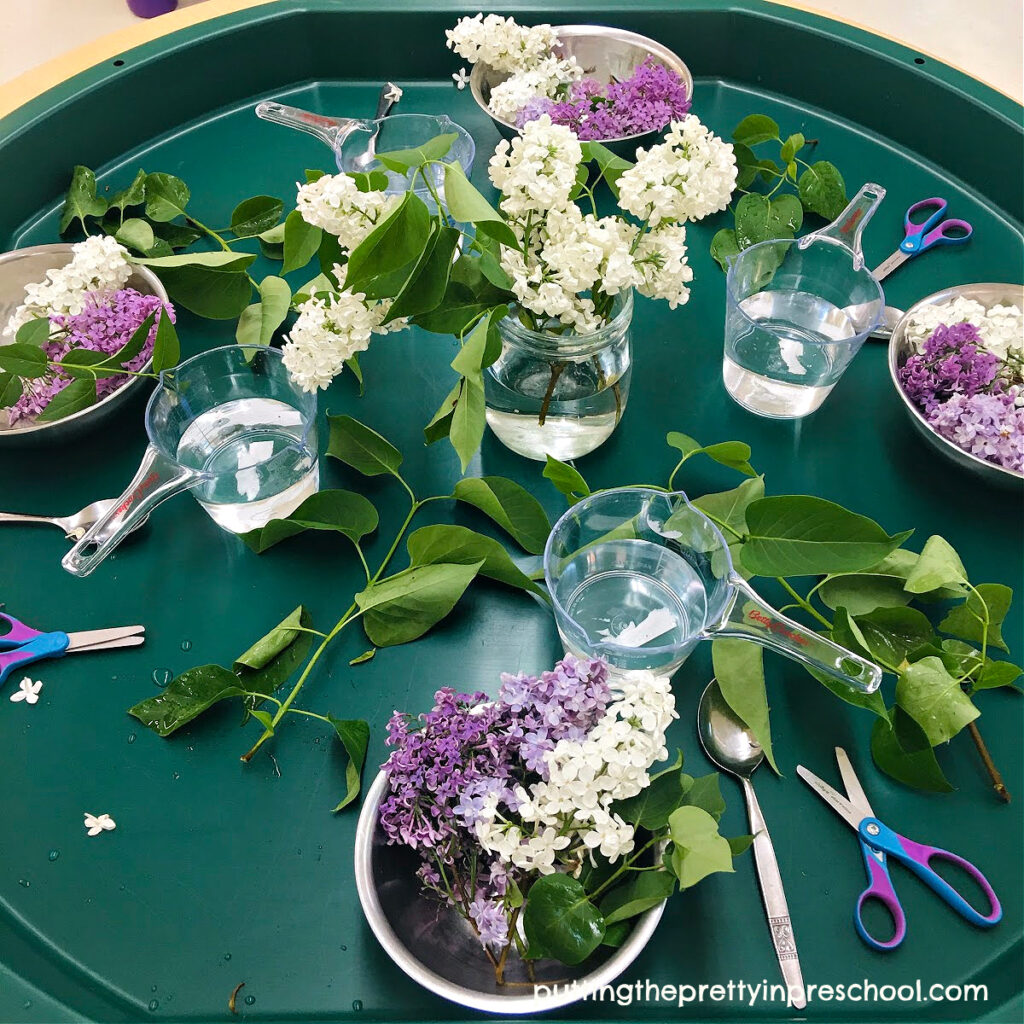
[877, 842]
[21, 644]
[923, 235]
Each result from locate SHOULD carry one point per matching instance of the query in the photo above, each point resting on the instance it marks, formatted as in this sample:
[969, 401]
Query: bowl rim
[897, 344]
[157, 289]
[511, 1005]
[670, 58]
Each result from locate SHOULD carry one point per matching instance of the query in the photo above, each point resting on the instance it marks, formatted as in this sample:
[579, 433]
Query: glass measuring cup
[797, 312]
[355, 142]
[640, 577]
[230, 426]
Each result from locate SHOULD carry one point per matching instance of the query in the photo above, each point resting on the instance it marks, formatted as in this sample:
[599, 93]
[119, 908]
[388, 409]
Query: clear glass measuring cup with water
[797, 312]
[640, 577]
[228, 425]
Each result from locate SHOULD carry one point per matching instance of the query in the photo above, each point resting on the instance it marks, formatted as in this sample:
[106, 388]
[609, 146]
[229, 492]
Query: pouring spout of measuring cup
[157, 479]
[849, 225]
[751, 618]
[331, 130]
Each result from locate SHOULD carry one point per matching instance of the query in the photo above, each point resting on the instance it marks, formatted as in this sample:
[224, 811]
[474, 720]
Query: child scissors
[21, 645]
[928, 233]
[877, 841]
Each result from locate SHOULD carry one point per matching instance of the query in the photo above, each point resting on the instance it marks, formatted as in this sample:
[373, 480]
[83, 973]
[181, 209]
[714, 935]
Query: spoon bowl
[725, 739]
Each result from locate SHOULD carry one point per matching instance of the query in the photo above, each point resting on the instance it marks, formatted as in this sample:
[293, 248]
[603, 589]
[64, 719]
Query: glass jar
[560, 394]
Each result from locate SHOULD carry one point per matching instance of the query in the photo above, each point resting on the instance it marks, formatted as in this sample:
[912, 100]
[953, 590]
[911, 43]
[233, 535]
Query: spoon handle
[774, 897]
[18, 517]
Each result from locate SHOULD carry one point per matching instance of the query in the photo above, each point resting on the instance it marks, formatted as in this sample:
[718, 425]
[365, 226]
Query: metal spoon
[733, 748]
[390, 94]
[74, 526]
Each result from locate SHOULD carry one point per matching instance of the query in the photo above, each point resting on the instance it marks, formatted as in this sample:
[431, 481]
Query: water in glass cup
[779, 357]
[258, 468]
[637, 594]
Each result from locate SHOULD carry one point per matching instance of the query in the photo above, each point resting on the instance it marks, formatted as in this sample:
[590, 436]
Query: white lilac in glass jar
[966, 377]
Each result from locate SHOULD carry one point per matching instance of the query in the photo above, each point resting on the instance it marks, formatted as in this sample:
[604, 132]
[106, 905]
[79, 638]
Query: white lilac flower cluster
[98, 267]
[570, 811]
[569, 253]
[1001, 327]
[687, 177]
[332, 328]
[523, 52]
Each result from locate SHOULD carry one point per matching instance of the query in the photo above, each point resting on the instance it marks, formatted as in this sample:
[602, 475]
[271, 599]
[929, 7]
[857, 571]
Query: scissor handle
[16, 633]
[43, 645]
[879, 889]
[918, 857]
[924, 234]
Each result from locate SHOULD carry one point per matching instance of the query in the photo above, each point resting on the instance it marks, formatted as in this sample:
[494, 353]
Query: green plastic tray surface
[220, 873]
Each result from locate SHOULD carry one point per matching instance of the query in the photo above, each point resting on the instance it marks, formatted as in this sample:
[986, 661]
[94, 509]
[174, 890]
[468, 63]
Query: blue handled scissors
[21, 645]
[877, 842]
[920, 237]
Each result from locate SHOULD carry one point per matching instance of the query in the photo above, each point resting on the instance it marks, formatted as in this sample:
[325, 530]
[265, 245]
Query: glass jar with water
[559, 393]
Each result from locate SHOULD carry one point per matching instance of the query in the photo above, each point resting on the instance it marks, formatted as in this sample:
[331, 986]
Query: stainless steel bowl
[24, 266]
[437, 948]
[605, 53]
[901, 348]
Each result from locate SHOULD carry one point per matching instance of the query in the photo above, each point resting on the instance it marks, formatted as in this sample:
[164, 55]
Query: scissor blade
[93, 639]
[835, 800]
[854, 790]
[885, 268]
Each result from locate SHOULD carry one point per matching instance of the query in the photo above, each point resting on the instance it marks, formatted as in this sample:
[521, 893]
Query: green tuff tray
[221, 873]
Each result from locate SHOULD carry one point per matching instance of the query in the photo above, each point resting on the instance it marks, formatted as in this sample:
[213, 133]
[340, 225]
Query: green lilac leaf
[10, 389]
[464, 202]
[268, 647]
[567, 479]
[697, 848]
[739, 669]
[359, 659]
[937, 566]
[917, 768]
[651, 807]
[361, 447]
[344, 512]
[559, 920]
[785, 217]
[934, 699]
[755, 128]
[873, 702]
[616, 934]
[208, 291]
[860, 593]
[186, 697]
[705, 792]
[166, 196]
[166, 346]
[425, 287]
[403, 607]
[728, 509]
[252, 216]
[499, 231]
[997, 673]
[219, 261]
[800, 535]
[404, 160]
[78, 395]
[966, 620]
[430, 545]
[355, 738]
[440, 424]
[739, 844]
[34, 332]
[136, 233]
[753, 217]
[610, 165]
[466, 431]
[301, 241]
[275, 301]
[733, 454]
[28, 361]
[177, 236]
[724, 246]
[822, 190]
[642, 891]
[791, 147]
[133, 195]
[81, 200]
[511, 506]
[394, 243]
[890, 634]
[250, 324]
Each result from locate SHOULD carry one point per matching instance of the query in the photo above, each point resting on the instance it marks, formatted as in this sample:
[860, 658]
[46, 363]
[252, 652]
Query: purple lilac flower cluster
[647, 101]
[104, 325]
[447, 764]
[956, 382]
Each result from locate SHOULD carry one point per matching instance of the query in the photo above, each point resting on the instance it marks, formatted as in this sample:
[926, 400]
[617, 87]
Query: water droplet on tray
[154, 1004]
[24, 883]
[54, 854]
[177, 775]
[357, 1004]
[131, 737]
[249, 1000]
[186, 645]
[162, 676]
[227, 956]
[153, 989]
[344, 947]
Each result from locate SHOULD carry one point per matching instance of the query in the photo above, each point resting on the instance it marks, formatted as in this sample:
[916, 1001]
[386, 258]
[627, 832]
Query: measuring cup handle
[849, 225]
[331, 130]
[753, 619]
[156, 480]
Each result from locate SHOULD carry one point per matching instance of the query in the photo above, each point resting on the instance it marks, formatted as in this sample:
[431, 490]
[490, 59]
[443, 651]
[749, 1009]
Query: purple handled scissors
[21, 645]
[922, 236]
[877, 841]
